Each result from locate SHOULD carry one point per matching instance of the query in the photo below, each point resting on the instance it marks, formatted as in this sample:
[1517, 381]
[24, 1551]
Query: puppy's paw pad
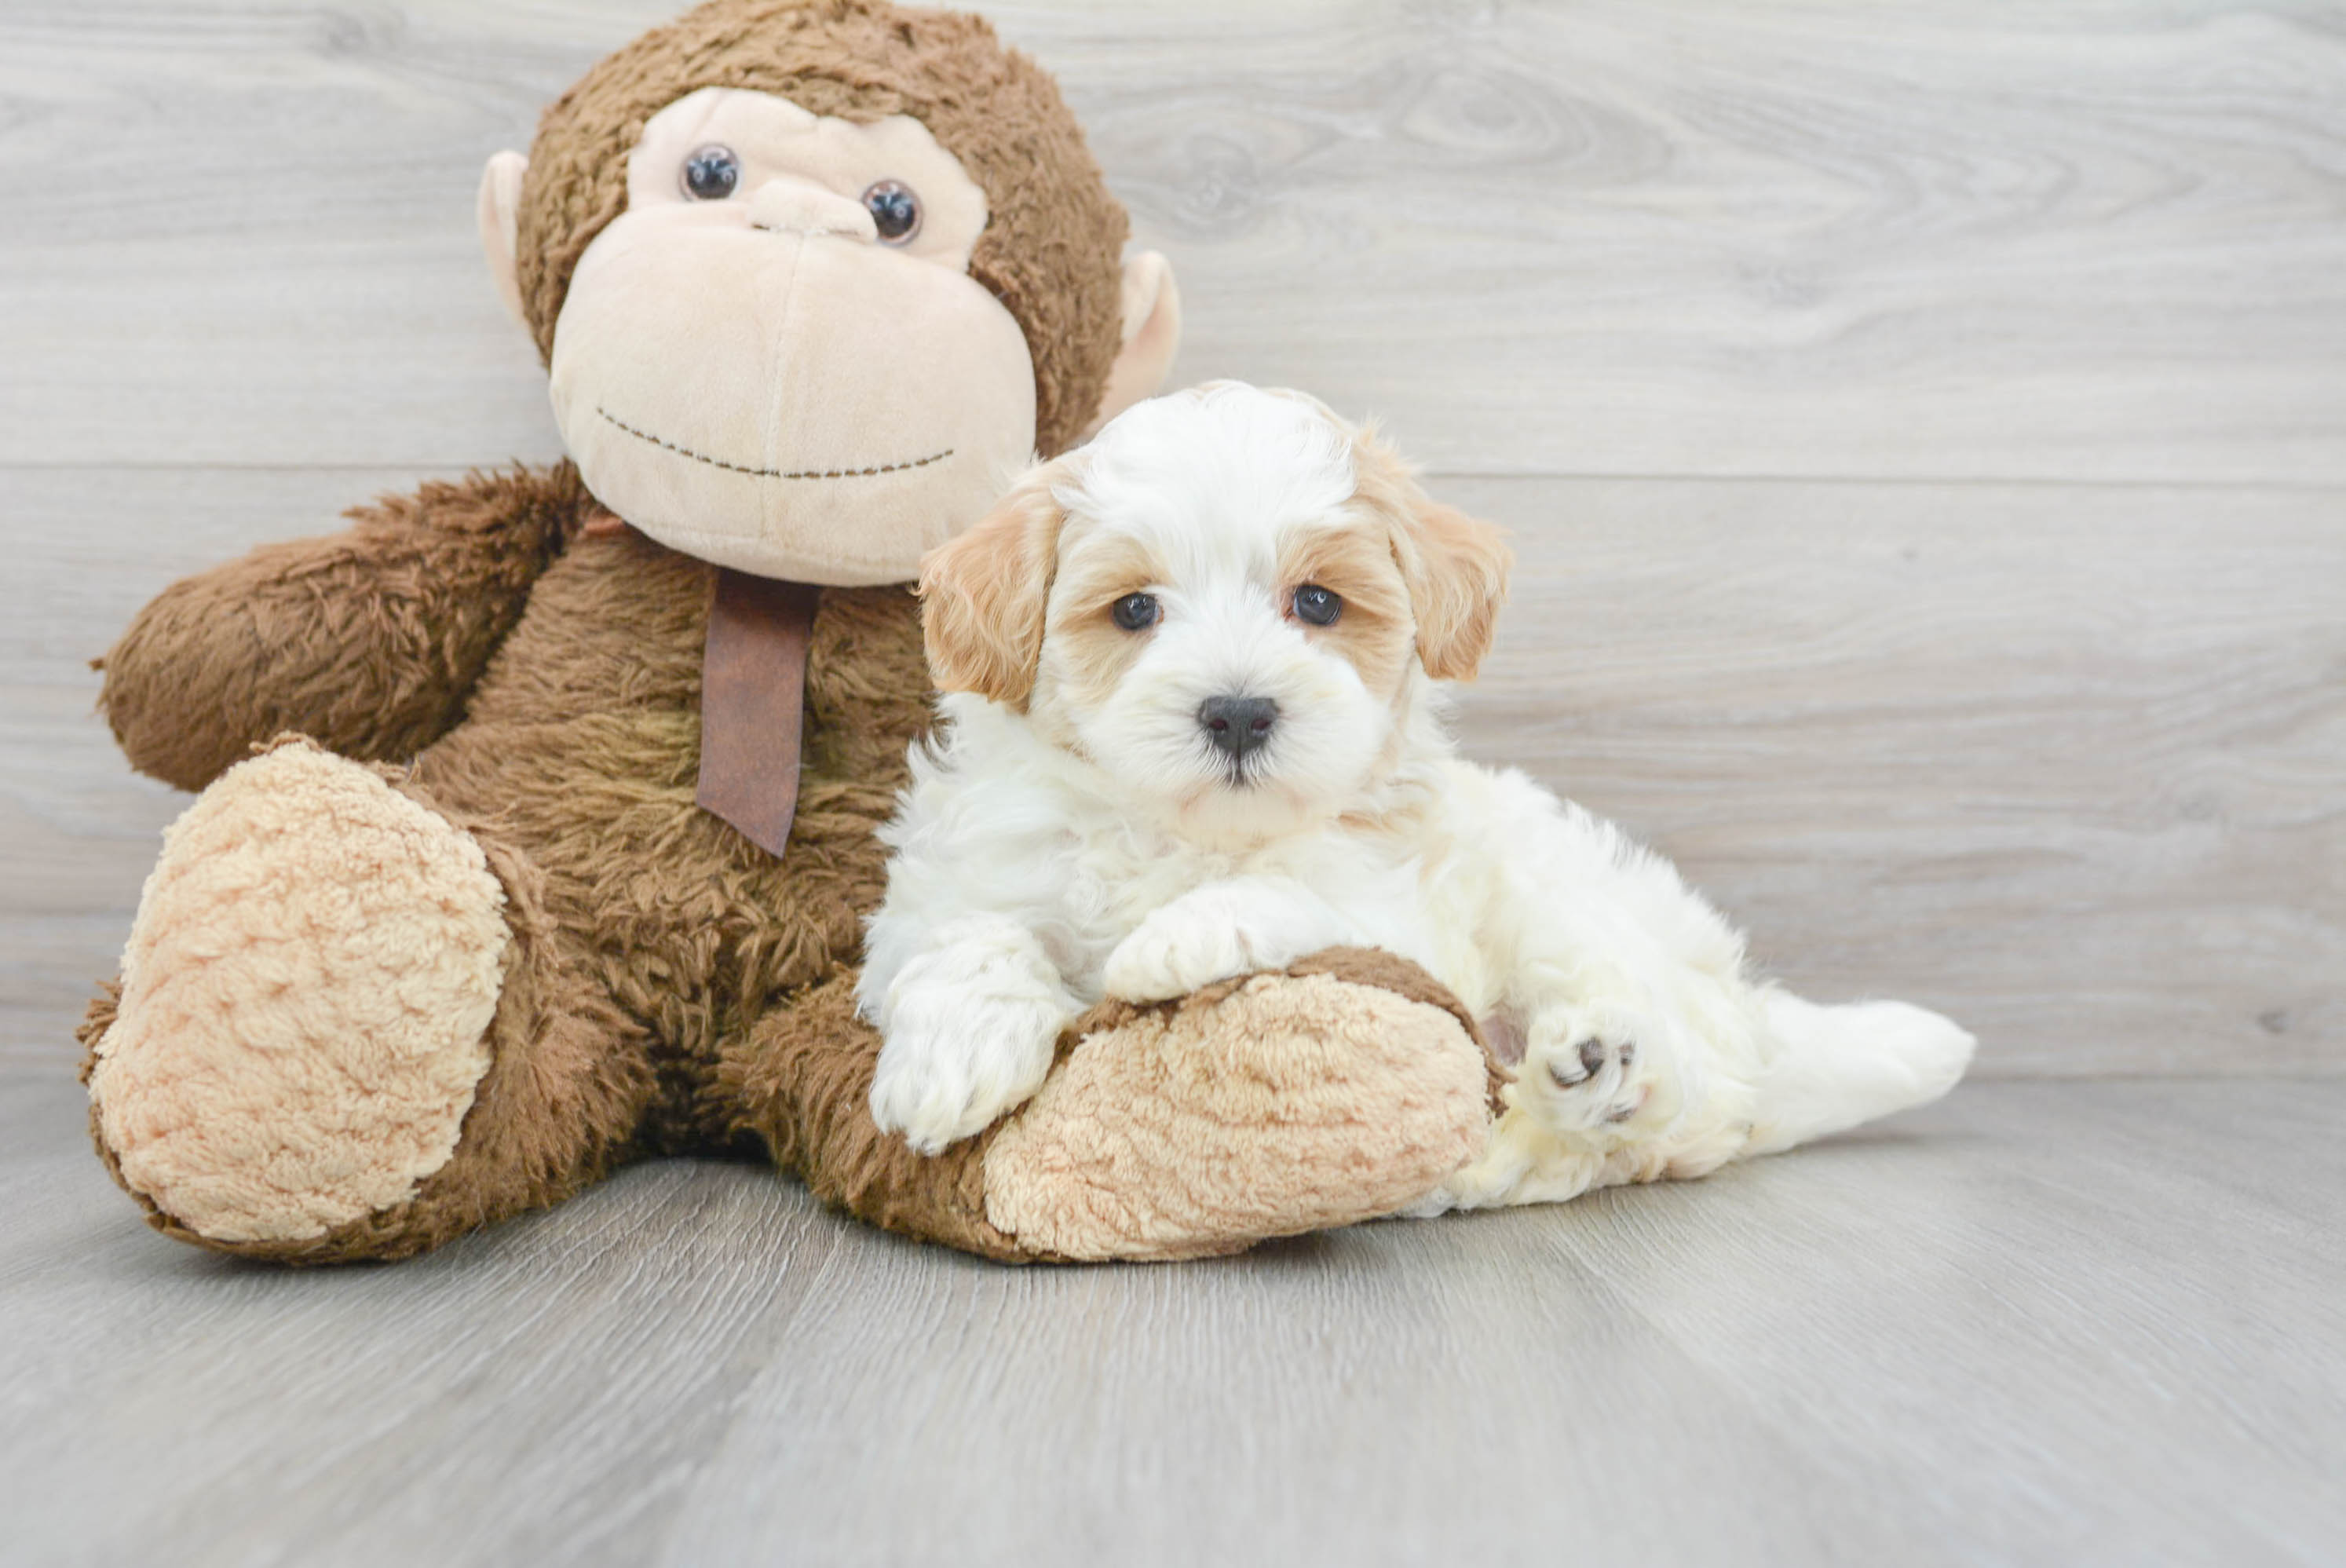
[1594, 1056]
[1576, 1077]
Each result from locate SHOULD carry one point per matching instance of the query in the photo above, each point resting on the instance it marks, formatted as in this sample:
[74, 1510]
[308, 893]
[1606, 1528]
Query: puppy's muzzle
[1236, 725]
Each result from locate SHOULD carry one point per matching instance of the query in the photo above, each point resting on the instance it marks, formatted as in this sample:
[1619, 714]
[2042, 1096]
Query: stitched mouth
[644, 435]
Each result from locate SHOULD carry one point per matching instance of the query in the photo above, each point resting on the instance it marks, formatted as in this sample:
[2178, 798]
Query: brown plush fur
[366, 641]
[1146, 1141]
[568, 1084]
[802, 1078]
[672, 988]
[802, 1081]
[669, 986]
[647, 931]
[1051, 246]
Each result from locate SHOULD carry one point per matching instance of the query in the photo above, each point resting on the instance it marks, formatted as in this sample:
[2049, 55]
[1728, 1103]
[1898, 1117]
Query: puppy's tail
[1837, 1066]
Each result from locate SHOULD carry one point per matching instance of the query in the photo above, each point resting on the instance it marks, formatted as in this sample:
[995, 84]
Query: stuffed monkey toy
[537, 811]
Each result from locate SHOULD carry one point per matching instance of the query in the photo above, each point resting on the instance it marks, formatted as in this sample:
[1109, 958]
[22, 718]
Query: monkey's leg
[345, 1028]
[1342, 1089]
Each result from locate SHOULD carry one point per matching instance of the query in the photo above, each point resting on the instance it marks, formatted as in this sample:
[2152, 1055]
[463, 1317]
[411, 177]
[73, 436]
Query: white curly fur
[1097, 844]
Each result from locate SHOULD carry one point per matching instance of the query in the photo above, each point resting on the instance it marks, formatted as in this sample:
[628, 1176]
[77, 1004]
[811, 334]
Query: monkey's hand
[367, 641]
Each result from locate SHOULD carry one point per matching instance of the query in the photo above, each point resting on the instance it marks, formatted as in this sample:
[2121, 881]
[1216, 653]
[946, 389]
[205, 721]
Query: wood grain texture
[1924, 429]
[2066, 762]
[2038, 1324]
[2062, 759]
[78, 831]
[2098, 241]
[2069, 763]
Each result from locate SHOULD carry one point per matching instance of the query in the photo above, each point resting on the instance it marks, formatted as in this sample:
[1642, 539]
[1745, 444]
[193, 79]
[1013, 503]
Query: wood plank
[244, 1416]
[2067, 763]
[78, 830]
[2106, 240]
[2038, 1324]
[2064, 762]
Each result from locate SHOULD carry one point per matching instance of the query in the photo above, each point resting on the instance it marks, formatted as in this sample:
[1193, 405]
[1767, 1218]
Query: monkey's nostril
[1237, 725]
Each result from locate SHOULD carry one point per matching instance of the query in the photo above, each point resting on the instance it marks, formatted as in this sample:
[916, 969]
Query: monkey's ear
[1456, 565]
[1152, 336]
[500, 215]
[983, 593]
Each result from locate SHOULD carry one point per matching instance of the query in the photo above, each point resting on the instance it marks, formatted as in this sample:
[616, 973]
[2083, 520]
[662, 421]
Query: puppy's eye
[711, 173]
[1134, 612]
[895, 212]
[1317, 605]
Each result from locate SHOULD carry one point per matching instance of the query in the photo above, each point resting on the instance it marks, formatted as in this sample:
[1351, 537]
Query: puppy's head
[1229, 601]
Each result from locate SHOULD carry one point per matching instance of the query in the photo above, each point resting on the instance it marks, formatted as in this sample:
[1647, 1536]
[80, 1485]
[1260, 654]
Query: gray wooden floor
[1924, 429]
[2048, 1323]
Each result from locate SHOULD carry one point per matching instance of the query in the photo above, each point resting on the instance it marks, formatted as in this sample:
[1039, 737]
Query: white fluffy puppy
[1192, 732]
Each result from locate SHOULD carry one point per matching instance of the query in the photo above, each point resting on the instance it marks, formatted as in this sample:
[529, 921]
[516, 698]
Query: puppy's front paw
[1180, 948]
[962, 1049]
[1168, 958]
[944, 1078]
[1595, 1071]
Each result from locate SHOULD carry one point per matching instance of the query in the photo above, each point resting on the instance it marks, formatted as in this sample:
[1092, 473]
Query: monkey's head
[816, 279]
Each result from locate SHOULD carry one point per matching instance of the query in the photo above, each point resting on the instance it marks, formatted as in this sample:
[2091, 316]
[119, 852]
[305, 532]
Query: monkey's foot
[304, 1002]
[1347, 1088]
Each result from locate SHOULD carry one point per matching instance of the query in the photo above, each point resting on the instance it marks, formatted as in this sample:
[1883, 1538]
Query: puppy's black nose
[1238, 724]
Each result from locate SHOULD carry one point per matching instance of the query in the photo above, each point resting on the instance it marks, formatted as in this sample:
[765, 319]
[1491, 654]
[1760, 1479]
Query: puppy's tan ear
[1456, 565]
[1456, 585]
[983, 594]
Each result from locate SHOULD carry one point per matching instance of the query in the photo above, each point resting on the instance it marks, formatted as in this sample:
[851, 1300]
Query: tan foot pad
[305, 997]
[1280, 1105]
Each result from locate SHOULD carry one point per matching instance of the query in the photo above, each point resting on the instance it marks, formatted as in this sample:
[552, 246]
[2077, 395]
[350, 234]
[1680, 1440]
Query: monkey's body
[464, 938]
[664, 985]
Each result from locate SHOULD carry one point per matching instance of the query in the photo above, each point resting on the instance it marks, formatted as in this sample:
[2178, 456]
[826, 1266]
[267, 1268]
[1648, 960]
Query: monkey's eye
[895, 210]
[711, 173]
[1317, 605]
[1134, 612]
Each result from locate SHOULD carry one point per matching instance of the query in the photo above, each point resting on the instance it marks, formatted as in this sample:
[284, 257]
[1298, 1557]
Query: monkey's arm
[367, 641]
